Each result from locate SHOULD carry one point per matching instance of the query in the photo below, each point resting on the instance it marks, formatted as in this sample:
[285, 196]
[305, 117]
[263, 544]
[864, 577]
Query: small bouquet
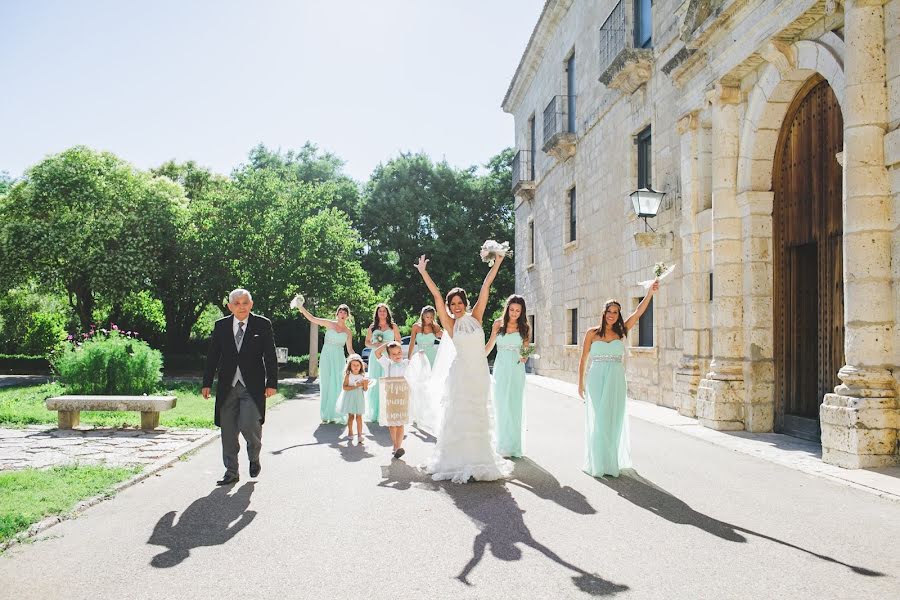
[660, 271]
[378, 337]
[527, 352]
[491, 250]
[298, 301]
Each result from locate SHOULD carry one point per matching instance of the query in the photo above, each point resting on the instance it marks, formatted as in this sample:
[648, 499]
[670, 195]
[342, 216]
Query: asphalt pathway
[329, 520]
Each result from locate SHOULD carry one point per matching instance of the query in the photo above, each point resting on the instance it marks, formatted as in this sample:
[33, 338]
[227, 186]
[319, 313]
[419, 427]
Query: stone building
[772, 128]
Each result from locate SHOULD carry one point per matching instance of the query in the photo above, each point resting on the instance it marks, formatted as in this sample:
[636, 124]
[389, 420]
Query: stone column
[720, 395]
[860, 419]
[693, 273]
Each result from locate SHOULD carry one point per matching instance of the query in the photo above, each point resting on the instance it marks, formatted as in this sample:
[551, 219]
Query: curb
[859, 479]
[152, 469]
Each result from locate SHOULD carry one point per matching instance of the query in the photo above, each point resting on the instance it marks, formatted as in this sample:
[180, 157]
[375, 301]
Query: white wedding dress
[464, 416]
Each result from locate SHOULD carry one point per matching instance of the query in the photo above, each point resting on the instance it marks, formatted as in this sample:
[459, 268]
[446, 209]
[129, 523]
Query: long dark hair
[390, 320]
[522, 321]
[457, 291]
[421, 323]
[618, 327]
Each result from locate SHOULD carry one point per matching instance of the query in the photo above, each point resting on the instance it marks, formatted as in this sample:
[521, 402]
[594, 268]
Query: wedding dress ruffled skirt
[464, 448]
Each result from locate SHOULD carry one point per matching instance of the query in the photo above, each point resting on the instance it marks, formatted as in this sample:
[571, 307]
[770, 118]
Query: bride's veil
[430, 411]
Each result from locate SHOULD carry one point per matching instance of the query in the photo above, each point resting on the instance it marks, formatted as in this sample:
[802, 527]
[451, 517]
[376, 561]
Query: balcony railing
[622, 66]
[559, 134]
[613, 36]
[523, 174]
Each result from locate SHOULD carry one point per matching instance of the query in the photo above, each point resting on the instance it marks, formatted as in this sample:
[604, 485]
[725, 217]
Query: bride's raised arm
[441, 308]
[481, 304]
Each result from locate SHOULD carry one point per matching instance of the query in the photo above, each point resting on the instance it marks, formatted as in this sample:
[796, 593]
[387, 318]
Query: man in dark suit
[242, 349]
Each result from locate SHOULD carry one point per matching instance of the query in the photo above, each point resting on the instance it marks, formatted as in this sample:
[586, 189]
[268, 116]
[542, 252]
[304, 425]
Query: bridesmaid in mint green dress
[510, 334]
[604, 389]
[423, 335]
[332, 361]
[382, 330]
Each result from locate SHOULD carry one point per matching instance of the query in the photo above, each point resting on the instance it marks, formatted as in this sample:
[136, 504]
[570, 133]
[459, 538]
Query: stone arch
[789, 67]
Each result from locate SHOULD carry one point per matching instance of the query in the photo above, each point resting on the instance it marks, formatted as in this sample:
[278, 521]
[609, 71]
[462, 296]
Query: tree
[413, 206]
[89, 223]
[5, 182]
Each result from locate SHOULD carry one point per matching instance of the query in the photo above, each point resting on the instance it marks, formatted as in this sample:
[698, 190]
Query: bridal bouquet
[378, 337]
[660, 271]
[491, 250]
[298, 301]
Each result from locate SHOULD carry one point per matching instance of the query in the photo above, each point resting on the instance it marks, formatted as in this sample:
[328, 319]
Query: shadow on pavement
[531, 476]
[492, 508]
[649, 496]
[329, 434]
[206, 522]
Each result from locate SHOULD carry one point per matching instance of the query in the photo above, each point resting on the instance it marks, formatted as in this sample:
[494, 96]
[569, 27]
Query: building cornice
[541, 35]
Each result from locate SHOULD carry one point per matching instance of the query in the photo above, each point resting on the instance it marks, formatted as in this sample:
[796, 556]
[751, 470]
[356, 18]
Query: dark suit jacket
[259, 366]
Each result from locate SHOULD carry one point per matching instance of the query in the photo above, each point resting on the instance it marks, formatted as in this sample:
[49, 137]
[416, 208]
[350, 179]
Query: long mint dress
[509, 395]
[375, 371]
[425, 343]
[331, 375]
[606, 429]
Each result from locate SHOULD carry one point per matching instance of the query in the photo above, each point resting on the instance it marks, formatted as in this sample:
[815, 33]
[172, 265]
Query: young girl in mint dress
[604, 389]
[382, 330]
[352, 401]
[511, 334]
[424, 334]
[331, 361]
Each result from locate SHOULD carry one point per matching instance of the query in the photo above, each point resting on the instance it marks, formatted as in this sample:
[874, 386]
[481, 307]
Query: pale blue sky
[208, 80]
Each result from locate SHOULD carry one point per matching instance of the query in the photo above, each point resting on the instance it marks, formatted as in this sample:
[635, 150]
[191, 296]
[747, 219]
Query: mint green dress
[509, 396]
[331, 375]
[425, 343]
[375, 371]
[606, 428]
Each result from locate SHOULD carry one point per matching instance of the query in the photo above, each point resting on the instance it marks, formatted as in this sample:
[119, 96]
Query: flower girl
[352, 401]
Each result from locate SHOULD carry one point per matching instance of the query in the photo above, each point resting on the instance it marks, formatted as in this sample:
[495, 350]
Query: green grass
[24, 405]
[29, 495]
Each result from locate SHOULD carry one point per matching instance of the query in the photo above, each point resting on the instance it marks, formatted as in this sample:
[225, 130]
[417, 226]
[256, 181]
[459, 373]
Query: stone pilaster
[720, 396]
[688, 371]
[860, 419]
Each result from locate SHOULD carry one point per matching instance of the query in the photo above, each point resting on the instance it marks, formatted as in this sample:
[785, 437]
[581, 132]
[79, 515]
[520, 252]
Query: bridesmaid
[381, 331]
[423, 335]
[511, 334]
[606, 432]
[331, 361]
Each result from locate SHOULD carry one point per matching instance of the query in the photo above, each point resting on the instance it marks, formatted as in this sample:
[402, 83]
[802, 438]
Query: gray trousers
[239, 414]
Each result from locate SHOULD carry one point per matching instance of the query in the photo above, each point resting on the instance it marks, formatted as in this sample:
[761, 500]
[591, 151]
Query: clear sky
[207, 80]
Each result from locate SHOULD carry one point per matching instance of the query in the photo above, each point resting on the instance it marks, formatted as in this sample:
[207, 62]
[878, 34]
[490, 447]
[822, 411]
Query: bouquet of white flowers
[528, 352]
[298, 301]
[378, 337]
[660, 272]
[491, 250]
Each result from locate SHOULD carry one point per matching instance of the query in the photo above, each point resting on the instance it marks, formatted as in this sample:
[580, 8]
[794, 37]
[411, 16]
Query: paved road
[328, 521]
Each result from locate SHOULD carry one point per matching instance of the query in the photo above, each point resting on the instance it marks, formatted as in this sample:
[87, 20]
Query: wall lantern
[646, 203]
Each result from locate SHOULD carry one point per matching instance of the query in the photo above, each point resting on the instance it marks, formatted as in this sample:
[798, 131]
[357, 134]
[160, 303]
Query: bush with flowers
[108, 361]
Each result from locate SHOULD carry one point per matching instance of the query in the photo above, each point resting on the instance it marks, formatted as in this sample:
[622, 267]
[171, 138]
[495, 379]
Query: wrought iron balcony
[622, 66]
[559, 128]
[523, 175]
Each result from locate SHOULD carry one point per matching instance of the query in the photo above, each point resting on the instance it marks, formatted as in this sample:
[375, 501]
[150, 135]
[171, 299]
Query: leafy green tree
[413, 206]
[5, 182]
[89, 223]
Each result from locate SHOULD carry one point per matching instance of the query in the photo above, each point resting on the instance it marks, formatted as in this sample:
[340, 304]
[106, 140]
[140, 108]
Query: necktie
[239, 336]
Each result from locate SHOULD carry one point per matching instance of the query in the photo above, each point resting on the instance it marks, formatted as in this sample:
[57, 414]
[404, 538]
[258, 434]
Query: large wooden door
[808, 275]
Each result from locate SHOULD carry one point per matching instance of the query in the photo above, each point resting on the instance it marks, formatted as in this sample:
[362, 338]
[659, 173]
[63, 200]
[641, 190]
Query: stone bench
[69, 407]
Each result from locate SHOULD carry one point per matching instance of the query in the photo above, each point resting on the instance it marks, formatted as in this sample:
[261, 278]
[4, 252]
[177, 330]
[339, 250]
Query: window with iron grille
[645, 326]
[531, 242]
[570, 90]
[573, 325]
[612, 36]
[532, 146]
[644, 154]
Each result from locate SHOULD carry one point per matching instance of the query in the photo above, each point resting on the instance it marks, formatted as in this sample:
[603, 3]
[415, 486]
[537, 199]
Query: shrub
[202, 329]
[144, 313]
[297, 363]
[44, 332]
[109, 363]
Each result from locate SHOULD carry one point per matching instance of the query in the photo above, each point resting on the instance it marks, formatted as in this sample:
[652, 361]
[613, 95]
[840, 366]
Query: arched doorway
[807, 263]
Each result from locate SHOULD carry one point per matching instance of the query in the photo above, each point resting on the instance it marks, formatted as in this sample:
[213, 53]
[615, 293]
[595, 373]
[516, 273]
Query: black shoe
[255, 468]
[400, 452]
[228, 479]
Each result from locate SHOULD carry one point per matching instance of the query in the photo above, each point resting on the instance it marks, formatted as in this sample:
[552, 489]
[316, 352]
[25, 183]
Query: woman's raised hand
[422, 264]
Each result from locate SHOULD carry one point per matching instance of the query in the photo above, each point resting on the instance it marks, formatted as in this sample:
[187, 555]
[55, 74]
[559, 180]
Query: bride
[464, 448]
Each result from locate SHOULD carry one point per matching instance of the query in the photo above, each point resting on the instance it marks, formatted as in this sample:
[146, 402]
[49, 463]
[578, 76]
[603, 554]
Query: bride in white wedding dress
[464, 448]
